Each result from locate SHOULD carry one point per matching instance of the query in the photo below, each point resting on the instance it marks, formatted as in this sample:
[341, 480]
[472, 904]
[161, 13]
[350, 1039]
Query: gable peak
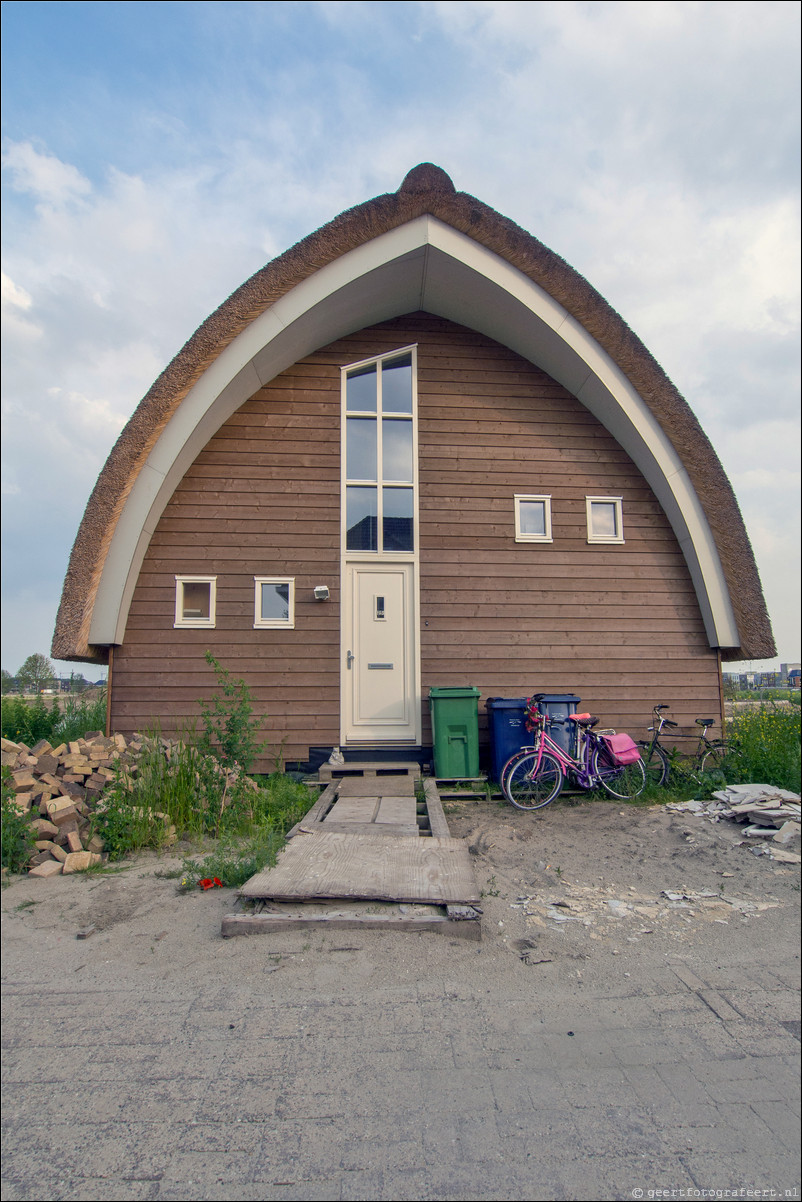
[427, 177]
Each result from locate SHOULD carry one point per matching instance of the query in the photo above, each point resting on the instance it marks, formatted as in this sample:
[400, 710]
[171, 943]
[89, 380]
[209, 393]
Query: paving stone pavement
[391, 1066]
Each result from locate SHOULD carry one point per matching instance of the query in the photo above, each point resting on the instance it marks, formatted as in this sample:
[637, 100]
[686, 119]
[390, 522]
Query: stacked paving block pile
[61, 787]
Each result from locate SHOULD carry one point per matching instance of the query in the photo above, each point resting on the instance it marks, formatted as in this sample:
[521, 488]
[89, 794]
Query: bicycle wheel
[722, 760]
[655, 764]
[621, 780]
[510, 764]
[529, 787]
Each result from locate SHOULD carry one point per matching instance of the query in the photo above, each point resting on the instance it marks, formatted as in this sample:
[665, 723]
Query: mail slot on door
[380, 667]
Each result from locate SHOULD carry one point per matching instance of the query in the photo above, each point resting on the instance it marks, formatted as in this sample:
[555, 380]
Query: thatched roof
[427, 189]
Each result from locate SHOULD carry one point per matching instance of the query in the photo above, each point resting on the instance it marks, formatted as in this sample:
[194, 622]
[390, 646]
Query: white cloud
[47, 178]
[15, 303]
[14, 297]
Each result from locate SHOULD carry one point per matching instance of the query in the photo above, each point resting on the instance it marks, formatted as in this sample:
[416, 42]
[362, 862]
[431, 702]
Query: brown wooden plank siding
[618, 625]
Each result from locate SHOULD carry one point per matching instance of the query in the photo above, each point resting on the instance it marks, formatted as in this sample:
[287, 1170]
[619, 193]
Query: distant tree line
[37, 675]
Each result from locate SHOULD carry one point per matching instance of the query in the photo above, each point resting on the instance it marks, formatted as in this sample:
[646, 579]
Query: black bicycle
[710, 757]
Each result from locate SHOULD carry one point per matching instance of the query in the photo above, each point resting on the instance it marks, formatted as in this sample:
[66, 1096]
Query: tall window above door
[380, 454]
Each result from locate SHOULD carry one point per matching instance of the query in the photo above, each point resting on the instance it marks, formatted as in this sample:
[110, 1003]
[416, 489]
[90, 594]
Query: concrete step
[329, 772]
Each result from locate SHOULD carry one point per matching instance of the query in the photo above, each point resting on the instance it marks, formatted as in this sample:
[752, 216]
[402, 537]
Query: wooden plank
[374, 829]
[334, 865]
[378, 786]
[353, 809]
[457, 925]
[461, 795]
[397, 810]
[434, 808]
[317, 811]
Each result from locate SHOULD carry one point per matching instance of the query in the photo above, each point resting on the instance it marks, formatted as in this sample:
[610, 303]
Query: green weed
[18, 838]
[78, 716]
[768, 742]
[229, 729]
[28, 722]
[125, 826]
[275, 807]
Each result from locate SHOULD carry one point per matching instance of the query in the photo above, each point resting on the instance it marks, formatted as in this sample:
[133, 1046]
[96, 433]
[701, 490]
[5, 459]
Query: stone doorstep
[329, 772]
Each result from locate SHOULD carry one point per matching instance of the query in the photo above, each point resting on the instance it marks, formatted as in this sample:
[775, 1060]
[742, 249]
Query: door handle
[349, 659]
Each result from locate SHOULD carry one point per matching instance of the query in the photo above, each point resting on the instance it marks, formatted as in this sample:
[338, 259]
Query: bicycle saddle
[705, 721]
[586, 720]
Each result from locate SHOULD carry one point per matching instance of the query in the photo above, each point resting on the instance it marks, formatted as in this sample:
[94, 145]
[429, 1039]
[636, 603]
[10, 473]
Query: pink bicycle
[535, 775]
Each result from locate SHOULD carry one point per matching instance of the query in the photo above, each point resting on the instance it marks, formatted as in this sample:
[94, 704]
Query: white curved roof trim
[427, 265]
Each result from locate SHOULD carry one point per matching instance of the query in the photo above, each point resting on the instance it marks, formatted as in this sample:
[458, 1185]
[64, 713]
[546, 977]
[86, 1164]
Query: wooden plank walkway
[380, 816]
[346, 866]
[362, 843]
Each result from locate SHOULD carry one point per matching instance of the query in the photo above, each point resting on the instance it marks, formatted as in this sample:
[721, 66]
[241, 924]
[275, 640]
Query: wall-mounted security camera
[321, 592]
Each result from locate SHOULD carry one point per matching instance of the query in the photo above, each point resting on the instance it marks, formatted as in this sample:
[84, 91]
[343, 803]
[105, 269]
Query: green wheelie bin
[455, 731]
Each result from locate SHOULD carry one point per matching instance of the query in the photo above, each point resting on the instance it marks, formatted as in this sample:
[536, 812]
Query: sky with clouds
[155, 155]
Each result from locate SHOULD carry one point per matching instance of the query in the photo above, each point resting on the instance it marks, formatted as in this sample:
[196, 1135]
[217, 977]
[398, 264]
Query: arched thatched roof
[424, 246]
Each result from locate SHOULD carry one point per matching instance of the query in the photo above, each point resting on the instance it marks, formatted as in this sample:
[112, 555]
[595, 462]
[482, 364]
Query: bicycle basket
[621, 749]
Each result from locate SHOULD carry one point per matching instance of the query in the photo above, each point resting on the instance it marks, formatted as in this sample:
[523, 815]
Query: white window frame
[260, 623]
[183, 623]
[520, 535]
[380, 483]
[617, 502]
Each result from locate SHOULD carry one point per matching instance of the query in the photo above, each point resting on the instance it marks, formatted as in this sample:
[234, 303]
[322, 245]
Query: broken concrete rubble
[768, 814]
[609, 911]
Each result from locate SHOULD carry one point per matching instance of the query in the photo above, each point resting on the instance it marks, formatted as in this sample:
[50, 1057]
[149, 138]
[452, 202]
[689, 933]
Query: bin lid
[510, 703]
[470, 690]
[559, 697]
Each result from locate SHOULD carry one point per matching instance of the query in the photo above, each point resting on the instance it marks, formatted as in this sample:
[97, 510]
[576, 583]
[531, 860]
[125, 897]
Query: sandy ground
[605, 1037]
[584, 880]
[574, 882]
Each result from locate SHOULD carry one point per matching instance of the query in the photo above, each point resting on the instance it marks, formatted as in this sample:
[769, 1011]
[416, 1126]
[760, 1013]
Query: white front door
[380, 702]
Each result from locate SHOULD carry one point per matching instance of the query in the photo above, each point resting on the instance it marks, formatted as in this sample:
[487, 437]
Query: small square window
[274, 603]
[195, 601]
[605, 523]
[533, 519]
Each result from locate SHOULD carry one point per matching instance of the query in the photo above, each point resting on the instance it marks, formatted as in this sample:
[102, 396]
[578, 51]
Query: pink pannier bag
[621, 749]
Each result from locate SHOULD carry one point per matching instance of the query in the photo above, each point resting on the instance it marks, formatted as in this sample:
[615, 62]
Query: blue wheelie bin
[559, 706]
[507, 728]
